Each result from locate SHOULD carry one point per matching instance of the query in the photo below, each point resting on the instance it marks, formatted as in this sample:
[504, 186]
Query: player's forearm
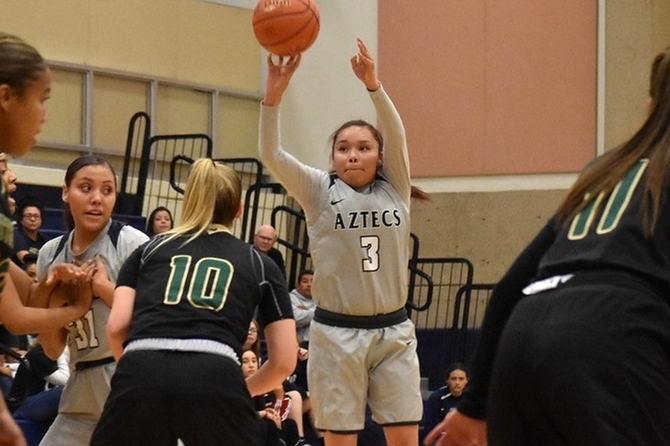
[53, 342]
[22, 320]
[22, 283]
[116, 338]
[104, 290]
[282, 358]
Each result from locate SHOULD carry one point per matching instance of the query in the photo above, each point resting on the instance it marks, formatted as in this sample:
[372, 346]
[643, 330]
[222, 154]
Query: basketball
[286, 27]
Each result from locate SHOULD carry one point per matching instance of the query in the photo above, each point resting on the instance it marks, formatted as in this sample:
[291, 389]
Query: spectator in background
[265, 238]
[6, 378]
[303, 305]
[276, 429]
[9, 179]
[253, 341]
[159, 221]
[27, 236]
[30, 266]
[443, 400]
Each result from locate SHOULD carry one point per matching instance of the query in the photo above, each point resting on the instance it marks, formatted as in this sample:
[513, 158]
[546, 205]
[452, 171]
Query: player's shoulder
[52, 244]
[218, 244]
[132, 233]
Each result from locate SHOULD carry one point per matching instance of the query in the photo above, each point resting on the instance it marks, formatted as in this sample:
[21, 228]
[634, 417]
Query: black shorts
[159, 396]
[587, 363]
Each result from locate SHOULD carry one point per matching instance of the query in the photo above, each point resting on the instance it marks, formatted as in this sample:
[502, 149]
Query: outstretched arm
[299, 179]
[395, 167]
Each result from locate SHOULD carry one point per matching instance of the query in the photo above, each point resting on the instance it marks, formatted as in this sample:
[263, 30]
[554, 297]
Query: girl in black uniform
[575, 346]
[181, 313]
[25, 86]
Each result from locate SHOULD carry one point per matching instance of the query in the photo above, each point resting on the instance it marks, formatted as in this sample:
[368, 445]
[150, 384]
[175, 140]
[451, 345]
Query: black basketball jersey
[207, 288]
[608, 234]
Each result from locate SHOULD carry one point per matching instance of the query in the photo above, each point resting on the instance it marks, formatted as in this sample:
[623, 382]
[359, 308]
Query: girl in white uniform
[362, 345]
[90, 194]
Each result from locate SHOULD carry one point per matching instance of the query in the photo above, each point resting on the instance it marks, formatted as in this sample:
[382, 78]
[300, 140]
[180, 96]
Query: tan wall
[185, 40]
[491, 228]
[635, 31]
[492, 87]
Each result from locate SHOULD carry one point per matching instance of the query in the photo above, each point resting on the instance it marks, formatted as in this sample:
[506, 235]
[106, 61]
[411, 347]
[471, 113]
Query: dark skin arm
[70, 293]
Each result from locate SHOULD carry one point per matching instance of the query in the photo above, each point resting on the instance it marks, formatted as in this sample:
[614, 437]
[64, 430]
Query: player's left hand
[363, 65]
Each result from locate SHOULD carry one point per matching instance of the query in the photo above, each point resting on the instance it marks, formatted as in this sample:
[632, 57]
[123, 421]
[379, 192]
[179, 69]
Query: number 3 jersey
[87, 336]
[359, 239]
[207, 288]
[609, 236]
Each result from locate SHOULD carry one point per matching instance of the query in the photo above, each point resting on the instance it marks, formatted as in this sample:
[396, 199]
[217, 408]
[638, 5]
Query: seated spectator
[159, 221]
[275, 427]
[18, 343]
[443, 400]
[30, 266]
[36, 391]
[303, 305]
[6, 378]
[253, 341]
[265, 238]
[9, 178]
[27, 236]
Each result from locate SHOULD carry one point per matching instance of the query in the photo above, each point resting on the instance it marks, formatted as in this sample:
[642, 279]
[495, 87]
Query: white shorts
[349, 367]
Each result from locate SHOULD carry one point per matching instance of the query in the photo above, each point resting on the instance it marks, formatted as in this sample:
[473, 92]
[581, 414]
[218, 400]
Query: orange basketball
[286, 27]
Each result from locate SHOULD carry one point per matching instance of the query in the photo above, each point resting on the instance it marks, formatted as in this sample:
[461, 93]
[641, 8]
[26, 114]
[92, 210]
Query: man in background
[265, 238]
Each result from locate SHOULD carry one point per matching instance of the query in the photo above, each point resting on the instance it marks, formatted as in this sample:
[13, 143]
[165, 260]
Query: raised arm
[298, 178]
[396, 160]
[363, 65]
